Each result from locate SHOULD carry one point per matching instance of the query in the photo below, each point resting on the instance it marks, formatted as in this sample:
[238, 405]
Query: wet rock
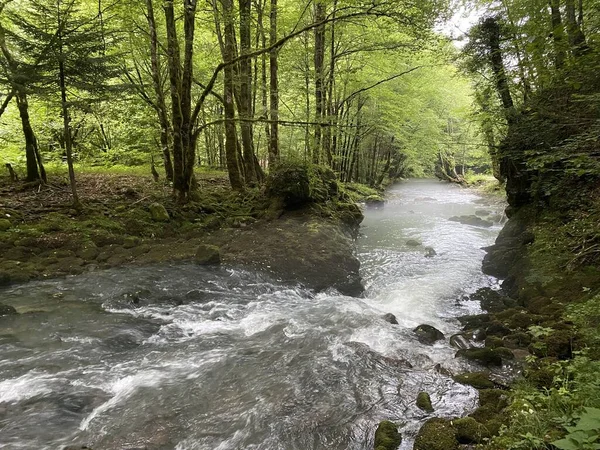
[491, 300]
[413, 243]
[5, 225]
[436, 434]
[131, 241]
[438, 368]
[7, 310]
[387, 436]
[427, 334]
[207, 255]
[478, 380]
[77, 447]
[469, 431]
[484, 356]
[494, 342]
[390, 318]
[88, 252]
[474, 321]
[460, 342]
[497, 329]
[430, 252]
[158, 213]
[471, 220]
[482, 212]
[424, 402]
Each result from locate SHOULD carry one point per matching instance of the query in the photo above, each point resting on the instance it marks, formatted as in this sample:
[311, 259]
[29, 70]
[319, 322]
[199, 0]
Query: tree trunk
[493, 34]
[273, 88]
[319, 58]
[576, 36]
[66, 116]
[330, 85]
[245, 89]
[161, 107]
[31, 150]
[557, 34]
[233, 167]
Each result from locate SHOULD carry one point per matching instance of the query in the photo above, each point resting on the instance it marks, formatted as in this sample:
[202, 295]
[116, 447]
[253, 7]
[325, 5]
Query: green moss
[485, 356]
[387, 436]
[436, 434]
[469, 431]
[424, 402]
[479, 380]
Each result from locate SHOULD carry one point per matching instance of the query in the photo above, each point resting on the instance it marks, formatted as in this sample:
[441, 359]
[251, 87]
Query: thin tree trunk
[231, 150]
[319, 58]
[576, 36]
[557, 34]
[273, 87]
[31, 160]
[161, 107]
[329, 100]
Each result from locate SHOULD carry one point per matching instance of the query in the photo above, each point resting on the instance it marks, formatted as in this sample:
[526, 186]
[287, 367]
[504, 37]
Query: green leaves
[585, 435]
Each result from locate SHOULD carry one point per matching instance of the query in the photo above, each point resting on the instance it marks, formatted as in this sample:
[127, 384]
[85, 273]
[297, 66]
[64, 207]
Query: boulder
[436, 434]
[374, 200]
[460, 342]
[5, 224]
[207, 255]
[478, 380]
[413, 243]
[390, 318]
[424, 402]
[482, 212]
[469, 431]
[158, 213]
[7, 310]
[387, 436]
[430, 252]
[485, 356]
[427, 334]
[472, 220]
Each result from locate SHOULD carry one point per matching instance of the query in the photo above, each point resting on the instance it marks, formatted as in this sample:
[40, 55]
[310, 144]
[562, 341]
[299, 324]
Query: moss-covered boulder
[7, 310]
[158, 212]
[207, 255]
[483, 356]
[496, 399]
[5, 225]
[424, 402]
[427, 334]
[387, 436]
[478, 380]
[299, 183]
[436, 434]
[469, 431]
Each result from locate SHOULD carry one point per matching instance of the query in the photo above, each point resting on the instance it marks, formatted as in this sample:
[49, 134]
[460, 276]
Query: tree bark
[31, 151]
[273, 88]
[161, 107]
[576, 36]
[557, 34]
[319, 59]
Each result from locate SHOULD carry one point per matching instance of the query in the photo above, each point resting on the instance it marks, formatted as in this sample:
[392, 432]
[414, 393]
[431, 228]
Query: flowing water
[182, 357]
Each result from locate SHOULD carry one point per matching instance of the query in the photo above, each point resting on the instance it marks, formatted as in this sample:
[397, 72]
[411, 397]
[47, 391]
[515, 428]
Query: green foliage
[585, 434]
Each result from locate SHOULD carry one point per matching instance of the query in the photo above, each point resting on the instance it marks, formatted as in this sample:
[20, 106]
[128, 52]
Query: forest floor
[130, 219]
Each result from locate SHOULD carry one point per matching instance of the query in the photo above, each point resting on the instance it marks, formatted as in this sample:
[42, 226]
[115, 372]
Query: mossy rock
[387, 436]
[427, 334]
[374, 200]
[424, 402]
[474, 321]
[5, 225]
[158, 212]
[518, 319]
[469, 431]
[436, 434]
[484, 356]
[494, 342]
[519, 339]
[497, 328]
[541, 374]
[207, 255]
[478, 380]
[559, 344]
[492, 300]
[496, 399]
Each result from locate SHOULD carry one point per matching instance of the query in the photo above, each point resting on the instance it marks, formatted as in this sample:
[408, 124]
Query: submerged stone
[471, 220]
[413, 243]
[427, 334]
[7, 310]
[430, 252]
[387, 436]
[460, 342]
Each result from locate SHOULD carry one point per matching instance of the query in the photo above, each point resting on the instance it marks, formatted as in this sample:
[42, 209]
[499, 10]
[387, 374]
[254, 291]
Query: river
[183, 357]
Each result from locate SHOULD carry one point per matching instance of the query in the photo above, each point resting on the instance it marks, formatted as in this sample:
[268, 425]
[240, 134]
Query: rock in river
[426, 334]
[472, 220]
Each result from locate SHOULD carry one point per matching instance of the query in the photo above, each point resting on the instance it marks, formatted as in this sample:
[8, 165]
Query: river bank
[130, 220]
